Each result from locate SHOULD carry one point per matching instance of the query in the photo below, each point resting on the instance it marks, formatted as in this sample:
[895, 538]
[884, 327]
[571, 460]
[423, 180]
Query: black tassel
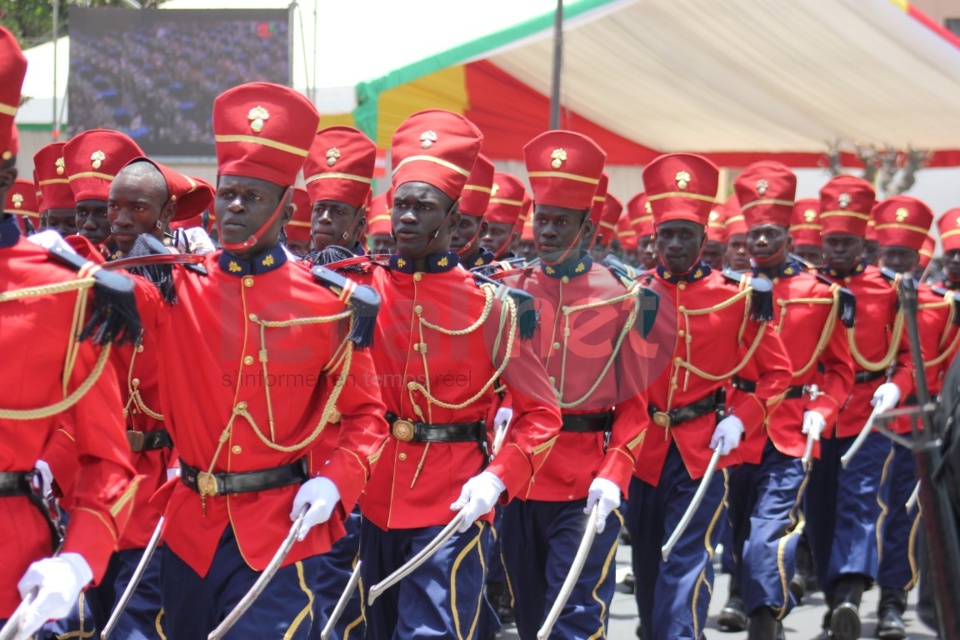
[114, 317]
[331, 254]
[528, 318]
[160, 275]
[364, 302]
[649, 307]
[848, 307]
[761, 298]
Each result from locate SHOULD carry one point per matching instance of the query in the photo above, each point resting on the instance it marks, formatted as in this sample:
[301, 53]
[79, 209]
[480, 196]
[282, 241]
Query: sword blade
[914, 497]
[262, 581]
[153, 260]
[134, 581]
[572, 576]
[416, 560]
[807, 460]
[694, 504]
[861, 438]
[12, 628]
[342, 603]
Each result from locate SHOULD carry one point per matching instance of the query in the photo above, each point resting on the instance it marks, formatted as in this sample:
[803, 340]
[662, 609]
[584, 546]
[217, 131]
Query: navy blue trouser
[899, 530]
[673, 596]
[540, 540]
[842, 510]
[336, 566]
[443, 598]
[194, 606]
[764, 511]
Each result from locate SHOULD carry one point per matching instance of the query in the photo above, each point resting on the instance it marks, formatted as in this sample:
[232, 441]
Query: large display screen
[153, 74]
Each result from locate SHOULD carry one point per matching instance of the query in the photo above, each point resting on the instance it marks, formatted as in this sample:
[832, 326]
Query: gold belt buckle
[136, 440]
[206, 484]
[661, 419]
[402, 430]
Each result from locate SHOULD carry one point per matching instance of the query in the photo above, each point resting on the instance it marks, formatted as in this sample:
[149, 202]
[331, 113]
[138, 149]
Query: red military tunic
[807, 319]
[259, 352]
[36, 338]
[876, 342]
[415, 482]
[589, 341]
[704, 322]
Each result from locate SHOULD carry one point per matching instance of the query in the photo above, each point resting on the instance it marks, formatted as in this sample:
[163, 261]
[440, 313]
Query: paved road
[803, 623]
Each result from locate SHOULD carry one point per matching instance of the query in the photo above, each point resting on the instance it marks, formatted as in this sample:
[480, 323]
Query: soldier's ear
[168, 212]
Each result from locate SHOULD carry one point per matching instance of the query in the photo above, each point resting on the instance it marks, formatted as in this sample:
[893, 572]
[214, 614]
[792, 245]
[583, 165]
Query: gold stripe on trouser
[80, 633]
[506, 574]
[702, 578]
[307, 610]
[884, 510]
[795, 529]
[453, 583]
[159, 627]
[602, 631]
[911, 556]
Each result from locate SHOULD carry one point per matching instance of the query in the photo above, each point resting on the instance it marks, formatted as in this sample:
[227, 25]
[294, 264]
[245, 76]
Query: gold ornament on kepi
[559, 157]
[714, 216]
[844, 200]
[257, 117]
[333, 154]
[97, 158]
[902, 214]
[60, 168]
[810, 215]
[494, 189]
[17, 200]
[427, 138]
[762, 186]
[683, 179]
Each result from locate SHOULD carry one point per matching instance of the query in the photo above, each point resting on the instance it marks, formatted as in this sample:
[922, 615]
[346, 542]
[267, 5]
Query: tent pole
[55, 123]
[557, 64]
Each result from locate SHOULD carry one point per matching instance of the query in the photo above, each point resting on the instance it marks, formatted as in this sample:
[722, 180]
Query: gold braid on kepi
[364, 303]
[114, 317]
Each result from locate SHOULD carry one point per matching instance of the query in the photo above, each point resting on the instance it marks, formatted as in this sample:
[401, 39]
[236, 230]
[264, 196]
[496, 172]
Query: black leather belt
[868, 376]
[676, 416]
[149, 440]
[409, 431]
[749, 386]
[15, 483]
[213, 484]
[587, 422]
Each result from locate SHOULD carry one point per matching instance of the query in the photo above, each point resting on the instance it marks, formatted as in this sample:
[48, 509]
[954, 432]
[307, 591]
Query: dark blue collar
[436, 263]
[698, 272]
[569, 268]
[857, 270]
[483, 258]
[264, 262]
[9, 231]
[786, 270]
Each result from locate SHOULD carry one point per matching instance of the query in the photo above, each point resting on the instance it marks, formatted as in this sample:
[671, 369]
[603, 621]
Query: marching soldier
[642, 217]
[433, 320]
[902, 226]
[378, 224]
[713, 337]
[50, 173]
[68, 381]
[841, 502]
[606, 232]
[765, 491]
[297, 231]
[735, 234]
[472, 207]
[805, 231]
[949, 227]
[265, 399]
[505, 216]
[91, 160]
[627, 237]
[22, 203]
[714, 251]
[526, 247]
[598, 373]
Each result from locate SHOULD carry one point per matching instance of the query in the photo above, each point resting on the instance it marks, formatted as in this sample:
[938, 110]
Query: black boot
[763, 625]
[733, 616]
[805, 570]
[893, 602]
[845, 621]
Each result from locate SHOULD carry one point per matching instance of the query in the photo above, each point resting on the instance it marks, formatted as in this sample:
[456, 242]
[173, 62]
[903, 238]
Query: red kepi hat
[902, 221]
[845, 205]
[13, 69]
[681, 186]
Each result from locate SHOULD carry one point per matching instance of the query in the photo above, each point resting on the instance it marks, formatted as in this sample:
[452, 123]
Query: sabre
[861, 438]
[342, 603]
[12, 628]
[807, 460]
[262, 581]
[914, 497]
[572, 576]
[134, 581]
[161, 259]
[697, 499]
[417, 560]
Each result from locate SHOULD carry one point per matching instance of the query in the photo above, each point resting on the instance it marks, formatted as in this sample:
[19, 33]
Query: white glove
[193, 240]
[606, 495]
[886, 396]
[173, 472]
[813, 424]
[58, 583]
[322, 496]
[503, 418]
[50, 239]
[730, 429]
[478, 496]
[46, 476]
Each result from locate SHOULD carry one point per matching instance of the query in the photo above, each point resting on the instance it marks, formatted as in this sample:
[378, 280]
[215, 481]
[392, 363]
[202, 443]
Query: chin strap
[250, 242]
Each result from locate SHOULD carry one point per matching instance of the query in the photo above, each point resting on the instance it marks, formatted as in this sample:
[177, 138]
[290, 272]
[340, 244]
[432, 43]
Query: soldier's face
[809, 253]
[899, 259]
[382, 243]
[465, 236]
[333, 222]
[422, 219]
[679, 243]
[527, 250]
[871, 252]
[498, 238]
[63, 221]
[92, 222]
[244, 205]
[841, 251]
[768, 244]
[298, 247]
[556, 230]
[712, 255]
[647, 252]
[951, 264]
[135, 205]
[737, 256]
